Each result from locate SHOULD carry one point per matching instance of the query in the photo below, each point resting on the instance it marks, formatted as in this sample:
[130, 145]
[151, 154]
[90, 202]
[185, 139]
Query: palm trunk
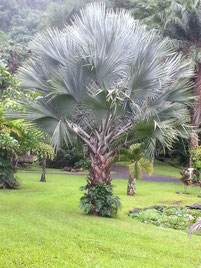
[196, 112]
[100, 159]
[99, 199]
[131, 188]
[43, 169]
[193, 142]
[100, 170]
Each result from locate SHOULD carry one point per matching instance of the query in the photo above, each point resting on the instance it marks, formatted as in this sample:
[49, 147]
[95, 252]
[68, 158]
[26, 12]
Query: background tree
[184, 26]
[150, 12]
[16, 137]
[8, 148]
[44, 151]
[58, 14]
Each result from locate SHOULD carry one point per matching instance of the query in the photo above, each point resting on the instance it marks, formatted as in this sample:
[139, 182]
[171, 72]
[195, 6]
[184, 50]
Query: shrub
[99, 200]
[70, 157]
[83, 163]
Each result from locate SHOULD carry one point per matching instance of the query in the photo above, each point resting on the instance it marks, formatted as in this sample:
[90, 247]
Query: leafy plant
[83, 163]
[195, 154]
[71, 156]
[16, 136]
[99, 200]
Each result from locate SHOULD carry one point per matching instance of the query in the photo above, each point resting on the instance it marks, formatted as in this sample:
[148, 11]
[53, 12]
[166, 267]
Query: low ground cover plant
[179, 218]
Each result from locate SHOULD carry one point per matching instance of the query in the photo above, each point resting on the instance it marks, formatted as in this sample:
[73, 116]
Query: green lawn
[162, 168]
[41, 227]
[37, 168]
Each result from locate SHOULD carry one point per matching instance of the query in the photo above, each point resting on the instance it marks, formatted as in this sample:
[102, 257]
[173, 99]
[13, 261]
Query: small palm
[137, 163]
[134, 155]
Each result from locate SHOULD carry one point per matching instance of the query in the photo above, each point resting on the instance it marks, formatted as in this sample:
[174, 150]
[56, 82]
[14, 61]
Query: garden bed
[175, 217]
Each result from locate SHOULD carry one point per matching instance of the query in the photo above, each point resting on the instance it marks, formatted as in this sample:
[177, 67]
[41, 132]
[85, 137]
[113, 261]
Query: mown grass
[37, 168]
[162, 168]
[41, 226]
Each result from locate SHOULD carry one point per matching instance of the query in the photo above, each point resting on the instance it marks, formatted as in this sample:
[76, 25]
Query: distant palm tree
[137, 163]
[103, 78]
[184, 26]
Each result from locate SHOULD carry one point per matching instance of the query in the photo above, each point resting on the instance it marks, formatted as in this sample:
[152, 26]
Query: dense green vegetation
[16, 136]
[42, 226]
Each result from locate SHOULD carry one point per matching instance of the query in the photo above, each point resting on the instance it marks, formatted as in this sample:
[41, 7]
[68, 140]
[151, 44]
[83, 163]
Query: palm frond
[196, 227]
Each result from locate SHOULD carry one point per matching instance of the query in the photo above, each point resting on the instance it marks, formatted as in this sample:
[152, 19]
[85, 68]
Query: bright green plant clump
[83, 163]
[175, 218]
[99, 200]
[196, 157]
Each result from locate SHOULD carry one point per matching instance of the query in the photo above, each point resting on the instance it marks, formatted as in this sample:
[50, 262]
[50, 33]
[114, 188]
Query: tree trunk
[100, 170]
[193, 142]
[196, 111]
[7, 179]
[131, 188]
[100, 156]
[43, 169]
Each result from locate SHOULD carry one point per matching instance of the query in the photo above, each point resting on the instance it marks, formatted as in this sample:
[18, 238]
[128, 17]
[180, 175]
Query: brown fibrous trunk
[196, 111]
[131, 188]
[100, 170]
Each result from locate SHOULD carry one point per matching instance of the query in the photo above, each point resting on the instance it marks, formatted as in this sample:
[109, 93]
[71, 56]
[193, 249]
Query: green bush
[99, 200]
[83, 163]
[70, 157]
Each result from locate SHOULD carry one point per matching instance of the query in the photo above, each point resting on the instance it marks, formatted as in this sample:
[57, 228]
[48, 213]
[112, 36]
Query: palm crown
[135, 156]
[100, 78]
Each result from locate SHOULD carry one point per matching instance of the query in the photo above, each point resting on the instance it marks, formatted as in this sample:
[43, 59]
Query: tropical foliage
[16, 136]
[100, 201]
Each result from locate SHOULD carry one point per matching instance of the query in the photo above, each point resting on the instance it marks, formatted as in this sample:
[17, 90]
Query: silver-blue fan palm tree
[102, 78]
